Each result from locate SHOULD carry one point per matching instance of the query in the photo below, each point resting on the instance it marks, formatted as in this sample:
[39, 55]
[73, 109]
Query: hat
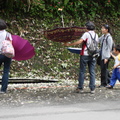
[90, 25]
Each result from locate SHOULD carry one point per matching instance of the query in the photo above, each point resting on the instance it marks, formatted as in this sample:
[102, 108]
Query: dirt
[54, 94]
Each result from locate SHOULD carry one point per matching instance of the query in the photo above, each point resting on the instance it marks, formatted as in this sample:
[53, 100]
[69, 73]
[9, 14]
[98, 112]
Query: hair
[3, 24]
[117, 47]
[107, 27]
[90, 25]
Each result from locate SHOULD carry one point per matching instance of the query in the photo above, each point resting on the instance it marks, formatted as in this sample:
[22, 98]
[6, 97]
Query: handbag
[7, 48]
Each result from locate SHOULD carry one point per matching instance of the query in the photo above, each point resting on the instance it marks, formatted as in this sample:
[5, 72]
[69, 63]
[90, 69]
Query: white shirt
[3, 35]
[87, 38]
[117, 61]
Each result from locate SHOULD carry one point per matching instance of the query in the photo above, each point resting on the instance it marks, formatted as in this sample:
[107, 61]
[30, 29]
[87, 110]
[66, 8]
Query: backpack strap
[103, 41]
[92, 37]
[107, 39]
[113, 44]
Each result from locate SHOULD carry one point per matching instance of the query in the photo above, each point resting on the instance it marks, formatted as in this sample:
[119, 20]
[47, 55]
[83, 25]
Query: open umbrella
[64, 34]
[23, 49]
[75, 50]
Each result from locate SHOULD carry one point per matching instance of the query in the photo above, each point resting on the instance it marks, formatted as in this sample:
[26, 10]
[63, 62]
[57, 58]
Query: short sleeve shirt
[117, 61]
[87, 39]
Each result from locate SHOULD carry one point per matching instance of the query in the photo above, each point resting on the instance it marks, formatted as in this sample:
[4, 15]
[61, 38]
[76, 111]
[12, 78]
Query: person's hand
[105, 61]
[114, 67]
[111, 53]
[66, 44]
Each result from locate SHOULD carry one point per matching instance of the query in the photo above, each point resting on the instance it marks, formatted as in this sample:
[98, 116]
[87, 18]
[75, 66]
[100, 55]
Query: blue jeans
[6, 69]
[115, 76]
[91, 62]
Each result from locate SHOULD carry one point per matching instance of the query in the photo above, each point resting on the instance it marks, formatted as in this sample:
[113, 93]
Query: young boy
[116, 70]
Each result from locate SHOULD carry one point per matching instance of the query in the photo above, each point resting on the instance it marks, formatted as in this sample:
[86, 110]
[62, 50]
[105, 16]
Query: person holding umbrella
[22, 48]
[3, 59]
[85, 58]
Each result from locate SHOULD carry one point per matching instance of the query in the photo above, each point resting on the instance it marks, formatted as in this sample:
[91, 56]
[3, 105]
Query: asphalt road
[33, 102]
[105, 110]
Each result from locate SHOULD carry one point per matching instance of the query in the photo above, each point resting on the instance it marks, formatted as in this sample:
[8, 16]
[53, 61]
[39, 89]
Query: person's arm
[106, 60]
[113, 55]
[116, 66]
[75, 43]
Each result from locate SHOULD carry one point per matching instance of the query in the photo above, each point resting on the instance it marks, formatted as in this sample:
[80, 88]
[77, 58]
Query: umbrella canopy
[23, 49]
[64, 34]
[75, 50]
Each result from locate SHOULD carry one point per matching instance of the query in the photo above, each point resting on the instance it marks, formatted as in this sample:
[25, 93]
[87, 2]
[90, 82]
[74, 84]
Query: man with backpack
[87, 56]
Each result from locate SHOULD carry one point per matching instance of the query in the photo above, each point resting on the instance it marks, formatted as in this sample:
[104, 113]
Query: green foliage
[75, 12]
[75, 9]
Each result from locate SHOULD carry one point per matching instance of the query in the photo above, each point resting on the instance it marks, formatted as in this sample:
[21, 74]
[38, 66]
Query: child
[116, 71]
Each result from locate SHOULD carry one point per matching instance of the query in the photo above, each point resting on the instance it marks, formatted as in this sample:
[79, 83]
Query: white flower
[60, 9]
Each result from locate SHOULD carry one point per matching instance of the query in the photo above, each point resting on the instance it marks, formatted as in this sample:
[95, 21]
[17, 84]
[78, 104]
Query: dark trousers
[105, 75]
[91, 62]
[6, 68]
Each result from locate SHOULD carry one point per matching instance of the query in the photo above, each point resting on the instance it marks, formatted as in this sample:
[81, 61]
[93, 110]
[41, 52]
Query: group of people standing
[106, 45]
[106, 48]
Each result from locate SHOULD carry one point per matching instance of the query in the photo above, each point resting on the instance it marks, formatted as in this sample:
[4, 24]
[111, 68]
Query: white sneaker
[92, 91]
[81, 91]
[1, 92]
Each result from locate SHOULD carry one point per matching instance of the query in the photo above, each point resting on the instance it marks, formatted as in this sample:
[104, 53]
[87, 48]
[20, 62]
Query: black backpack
[92, 48]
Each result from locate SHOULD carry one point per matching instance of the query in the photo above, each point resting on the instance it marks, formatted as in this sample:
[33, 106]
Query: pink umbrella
[23, 49]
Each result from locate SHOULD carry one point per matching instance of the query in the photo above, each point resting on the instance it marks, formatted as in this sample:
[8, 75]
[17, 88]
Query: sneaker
[109, 87]
[2, 92]
[92, 91]
[79, 90]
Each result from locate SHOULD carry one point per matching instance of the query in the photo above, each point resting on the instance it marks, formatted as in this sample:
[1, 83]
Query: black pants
[105, 75]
